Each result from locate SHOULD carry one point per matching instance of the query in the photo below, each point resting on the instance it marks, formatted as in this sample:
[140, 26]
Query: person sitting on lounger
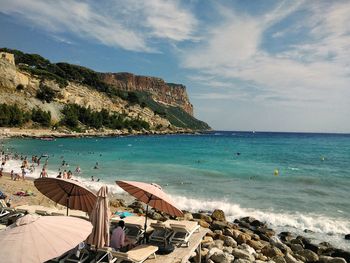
[119, 241]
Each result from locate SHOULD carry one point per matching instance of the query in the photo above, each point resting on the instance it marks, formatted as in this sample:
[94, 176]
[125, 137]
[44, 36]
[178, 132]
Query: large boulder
[285, 236]
[342, 254]
[309, 255]
[290, 259]
[219, 225]
[230, 242]
[202, 216]
[277, 243]
[202, 223]
[240, 260]
[239, 253]
[327, 259]
[243, 238]
[296, 247]
[218, 215]
[188, 216]
[218, 256]
[219, 244]
[337, 260]
[257, 245]
[271, 252]
[278, 259]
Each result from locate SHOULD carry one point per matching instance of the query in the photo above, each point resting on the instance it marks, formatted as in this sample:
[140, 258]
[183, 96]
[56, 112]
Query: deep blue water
[235, 171]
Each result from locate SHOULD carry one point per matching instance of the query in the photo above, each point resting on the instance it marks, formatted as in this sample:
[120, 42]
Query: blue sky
[248, 65]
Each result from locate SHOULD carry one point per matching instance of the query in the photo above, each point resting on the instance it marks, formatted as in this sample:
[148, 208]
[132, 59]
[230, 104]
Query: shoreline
[49, 133]
[246, 238]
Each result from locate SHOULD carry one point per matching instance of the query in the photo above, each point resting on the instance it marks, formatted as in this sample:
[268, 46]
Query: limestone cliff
[164, 106]
[166, 93]
[11, 77]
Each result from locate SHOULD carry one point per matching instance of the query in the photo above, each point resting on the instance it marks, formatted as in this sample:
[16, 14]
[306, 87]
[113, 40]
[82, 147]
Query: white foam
[314, 222]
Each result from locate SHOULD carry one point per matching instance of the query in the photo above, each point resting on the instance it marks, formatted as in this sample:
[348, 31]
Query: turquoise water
[205, 172]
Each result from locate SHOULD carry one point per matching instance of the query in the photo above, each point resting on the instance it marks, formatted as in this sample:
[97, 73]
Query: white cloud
[304, 72]
[130, 25]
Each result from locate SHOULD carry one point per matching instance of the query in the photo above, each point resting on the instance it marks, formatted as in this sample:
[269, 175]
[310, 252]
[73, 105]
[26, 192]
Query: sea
[297, 182]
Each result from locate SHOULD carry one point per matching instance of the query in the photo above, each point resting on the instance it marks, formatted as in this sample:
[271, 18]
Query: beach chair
[3, 209]
[160, 234]
[78, 255]
[137, 255]
[134, 232]
[42, 212]
[182, 231]
[57, 214]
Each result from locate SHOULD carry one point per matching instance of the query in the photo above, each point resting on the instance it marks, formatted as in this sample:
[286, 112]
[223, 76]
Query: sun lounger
[78, 255]
[137, 255]
[42, 212]
[161, 233]
[182, 231]
[57, 214]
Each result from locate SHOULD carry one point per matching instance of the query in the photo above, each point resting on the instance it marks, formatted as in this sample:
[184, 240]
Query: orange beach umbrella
[35, 239]
[67, 192]
[151, 194]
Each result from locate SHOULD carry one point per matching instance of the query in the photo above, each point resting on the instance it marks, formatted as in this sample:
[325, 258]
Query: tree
[45, 93]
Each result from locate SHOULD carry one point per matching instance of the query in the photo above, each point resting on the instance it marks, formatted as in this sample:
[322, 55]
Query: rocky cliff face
[166, 93]
[10, 77]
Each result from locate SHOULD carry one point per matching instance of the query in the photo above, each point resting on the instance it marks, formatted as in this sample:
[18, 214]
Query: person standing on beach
[43, 173]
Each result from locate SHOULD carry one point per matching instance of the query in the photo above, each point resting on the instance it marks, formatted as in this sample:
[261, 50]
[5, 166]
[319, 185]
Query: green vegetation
[73, 114]
[176, 116]
[42, 117]
[45, 93]
[13, 116]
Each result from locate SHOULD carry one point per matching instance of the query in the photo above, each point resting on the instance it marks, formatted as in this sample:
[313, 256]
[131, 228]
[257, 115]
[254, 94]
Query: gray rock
[218, 256]
[277, 243]
[290, 259]
[337, 260]
[271, 252]
[188, 216]
[239, 253]
[218, 215]
[324, 259]
[202, 216]
[228, 250]
[248, 249]
[240, 260]
[213, 251]
[279, 259]
[309, 255]
[219, 244]
[230, 242]
[219, 225]
[218, 232]
[296, 247]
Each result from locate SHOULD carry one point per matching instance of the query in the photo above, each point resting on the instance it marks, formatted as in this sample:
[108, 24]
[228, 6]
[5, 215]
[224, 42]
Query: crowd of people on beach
[28, 167]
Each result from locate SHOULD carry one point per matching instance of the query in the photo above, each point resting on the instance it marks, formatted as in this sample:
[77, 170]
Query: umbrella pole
[146, 218]
[67, 204]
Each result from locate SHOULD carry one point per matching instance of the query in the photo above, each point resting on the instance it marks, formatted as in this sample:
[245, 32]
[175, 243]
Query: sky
[247, 65]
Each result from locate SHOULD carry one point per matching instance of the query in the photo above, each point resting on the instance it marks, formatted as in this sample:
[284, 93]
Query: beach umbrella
[100, 220]
[33, 238]
[67, 192]
[151, 195]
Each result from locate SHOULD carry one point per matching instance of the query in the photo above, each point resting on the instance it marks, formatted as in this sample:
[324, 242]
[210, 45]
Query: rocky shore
[249, 240]
[49, 133]
[242, 241]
